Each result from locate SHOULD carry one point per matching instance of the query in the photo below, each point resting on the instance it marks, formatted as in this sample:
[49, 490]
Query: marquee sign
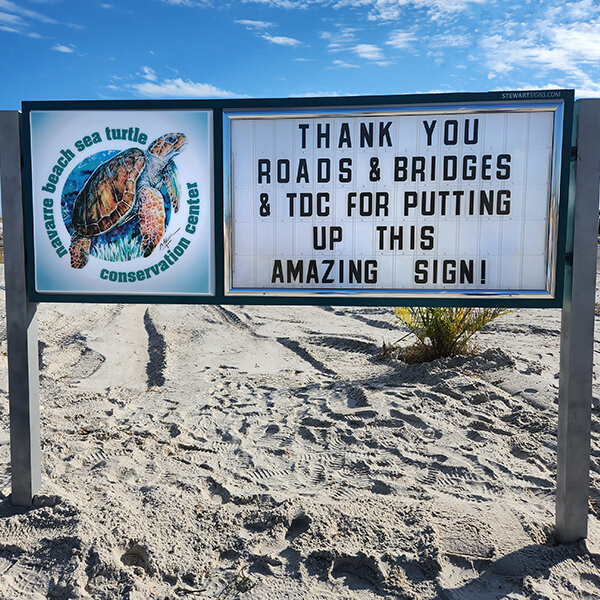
[448, 199]
[395, 202]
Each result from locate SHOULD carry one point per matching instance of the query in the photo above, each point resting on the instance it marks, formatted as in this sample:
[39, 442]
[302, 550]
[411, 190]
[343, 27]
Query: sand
[269, 453]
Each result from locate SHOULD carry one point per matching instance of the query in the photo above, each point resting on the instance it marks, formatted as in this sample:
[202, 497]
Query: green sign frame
[222, 113]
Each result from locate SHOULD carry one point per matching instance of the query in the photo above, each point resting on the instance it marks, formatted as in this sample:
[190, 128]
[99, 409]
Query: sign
[251, 165]
[446, 199]
[395, 201]
[121, 202]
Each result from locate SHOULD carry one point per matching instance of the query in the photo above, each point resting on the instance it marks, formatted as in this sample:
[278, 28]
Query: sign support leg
[21, 323]
[577, 334]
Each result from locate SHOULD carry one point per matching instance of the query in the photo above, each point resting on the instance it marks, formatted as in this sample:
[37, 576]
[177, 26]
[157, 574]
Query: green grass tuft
[440, 332]
[120, 250]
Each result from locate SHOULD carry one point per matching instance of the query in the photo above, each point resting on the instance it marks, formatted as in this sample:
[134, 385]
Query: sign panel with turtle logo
[123, 201]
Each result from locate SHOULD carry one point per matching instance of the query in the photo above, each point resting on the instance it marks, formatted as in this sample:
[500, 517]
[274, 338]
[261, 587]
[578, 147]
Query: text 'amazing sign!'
[394, 202]
[122, 202]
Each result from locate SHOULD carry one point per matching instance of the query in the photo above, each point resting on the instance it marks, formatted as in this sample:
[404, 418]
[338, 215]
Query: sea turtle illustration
[127, 185]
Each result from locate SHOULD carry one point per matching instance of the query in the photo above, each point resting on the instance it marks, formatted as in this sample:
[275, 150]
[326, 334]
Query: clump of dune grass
[439, 332]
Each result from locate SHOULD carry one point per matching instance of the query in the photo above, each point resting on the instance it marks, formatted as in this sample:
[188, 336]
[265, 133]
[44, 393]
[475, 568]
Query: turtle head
[168, 145]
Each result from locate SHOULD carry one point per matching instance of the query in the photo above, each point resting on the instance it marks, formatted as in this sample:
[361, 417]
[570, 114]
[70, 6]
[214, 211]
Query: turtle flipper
[172, 185]
[152, 218]
[79, 250]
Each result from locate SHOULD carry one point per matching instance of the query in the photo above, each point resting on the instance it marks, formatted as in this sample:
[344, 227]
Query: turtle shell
[108, 197]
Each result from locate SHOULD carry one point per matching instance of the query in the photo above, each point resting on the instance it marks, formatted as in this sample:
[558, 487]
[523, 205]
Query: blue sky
[94, 49]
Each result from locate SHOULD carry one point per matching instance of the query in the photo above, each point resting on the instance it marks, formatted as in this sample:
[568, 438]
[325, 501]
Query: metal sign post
[577, 333]
[21, 323]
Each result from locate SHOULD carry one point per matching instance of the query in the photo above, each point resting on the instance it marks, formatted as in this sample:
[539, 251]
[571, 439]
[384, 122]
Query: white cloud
[587, 88]
[180, 2]
[560, 38]
[438, 57]
[179, 88]
[563, 47]
[258, 26]
[15, 9]
[30, 14]
[380, 9]
[280, 40]
[342, 64]
[320, 94]
[254, 24]
[579, 9]
[149, 74]
[393, 10]
[12, 19]
[580, 40]
[401, 39]
[288, 4]
[451, 40]
[339, 39]
[16, 19]
[64, 49]
[368, 51]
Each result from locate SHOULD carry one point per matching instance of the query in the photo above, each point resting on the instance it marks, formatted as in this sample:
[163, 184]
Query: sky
[138, 49]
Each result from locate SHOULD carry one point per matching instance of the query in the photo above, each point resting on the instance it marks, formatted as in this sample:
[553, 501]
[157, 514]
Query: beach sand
[270, 453]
